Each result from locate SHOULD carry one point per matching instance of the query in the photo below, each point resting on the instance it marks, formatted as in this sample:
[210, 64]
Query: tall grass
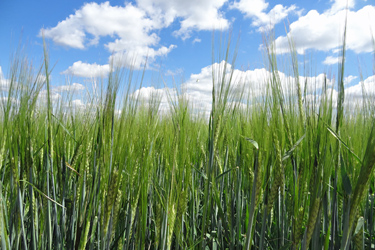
[281, 172]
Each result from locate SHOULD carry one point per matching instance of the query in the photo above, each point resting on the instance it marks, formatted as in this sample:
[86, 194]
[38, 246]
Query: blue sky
[176, 37]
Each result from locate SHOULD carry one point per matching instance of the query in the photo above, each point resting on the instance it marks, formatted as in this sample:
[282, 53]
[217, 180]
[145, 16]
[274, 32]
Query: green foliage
[139, 179]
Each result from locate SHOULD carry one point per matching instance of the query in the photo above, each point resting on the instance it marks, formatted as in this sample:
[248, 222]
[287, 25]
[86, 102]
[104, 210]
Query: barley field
[286, 170]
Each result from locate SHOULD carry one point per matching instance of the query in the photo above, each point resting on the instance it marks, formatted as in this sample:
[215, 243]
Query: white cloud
[87, 70]
[356, 94]
[349, 79]
[13, 101]
[356, 91]
[73, 87]
[324, 31]
[41, 79]
[146, 94]
[178, 71]
[194, 14]
[198, 88]
[134, 27]
[340, 5]
[78, 104]
[4, 83]
[256, 10]
[251, 83]
[54, 97]
[131, 28]
[66, 33]
[353, 95]
[138, 58]
[332, 60]
[152, 96]
[196, 40]
[128, 22]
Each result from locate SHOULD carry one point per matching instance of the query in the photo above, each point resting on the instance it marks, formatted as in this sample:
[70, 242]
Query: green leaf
[345, 178]
[200, 172]
[360, 223]
[346, 183]
[36, 189]
[342, 142]
[224, 173]
[66, 130]
[290, 151]
[255, 144]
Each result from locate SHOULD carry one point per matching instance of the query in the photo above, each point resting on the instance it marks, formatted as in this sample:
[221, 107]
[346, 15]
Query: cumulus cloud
[4, 83]
[194, 14]
[87, 70]
[256, 10]
[66, 33]
[152, 96]
[139, 57]
[54, 97]
[338, 5]
[251, 83]
[349, 79]
[148, 93]
[324, 31]
[12, 100]
[356, 95]
[77, 103]
[135, 26]
[131, 28]
[356, 91]
[99, 20]
[197, 90]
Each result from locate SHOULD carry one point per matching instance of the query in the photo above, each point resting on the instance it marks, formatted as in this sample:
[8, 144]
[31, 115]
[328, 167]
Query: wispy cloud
[70, 88]
[178, 71]
[332, 60]
[196, 40]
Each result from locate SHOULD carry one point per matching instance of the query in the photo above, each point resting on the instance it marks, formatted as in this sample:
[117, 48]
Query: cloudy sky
[176, 37]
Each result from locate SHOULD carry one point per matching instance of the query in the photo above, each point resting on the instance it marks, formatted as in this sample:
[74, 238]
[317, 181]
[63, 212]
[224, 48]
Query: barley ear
[278, 174]
[82, 244]
[312, 220]
[171, 221]
[111, 198]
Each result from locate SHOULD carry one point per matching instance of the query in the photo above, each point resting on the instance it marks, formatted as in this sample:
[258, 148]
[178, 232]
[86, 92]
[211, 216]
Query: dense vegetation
[284, 171]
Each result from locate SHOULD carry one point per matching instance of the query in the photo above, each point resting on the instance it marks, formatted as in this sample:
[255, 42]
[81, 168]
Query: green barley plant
[279, 165]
